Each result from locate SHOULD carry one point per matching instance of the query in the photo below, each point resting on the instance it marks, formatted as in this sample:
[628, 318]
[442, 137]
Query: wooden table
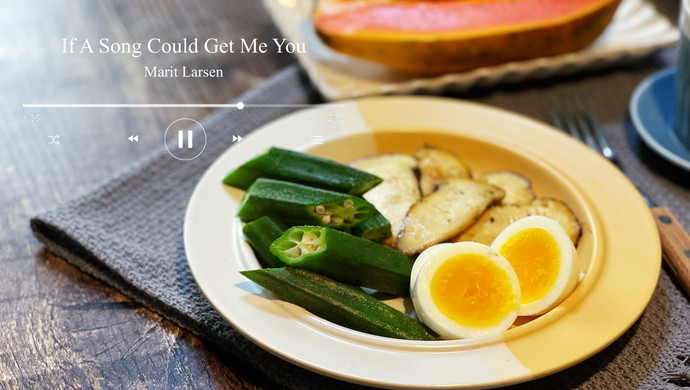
[60, 328]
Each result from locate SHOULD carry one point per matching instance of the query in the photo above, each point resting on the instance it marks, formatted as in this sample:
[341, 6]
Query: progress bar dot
[240, 105]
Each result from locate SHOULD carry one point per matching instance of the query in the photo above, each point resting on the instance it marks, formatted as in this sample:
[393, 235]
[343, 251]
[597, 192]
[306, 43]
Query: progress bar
[238, 105]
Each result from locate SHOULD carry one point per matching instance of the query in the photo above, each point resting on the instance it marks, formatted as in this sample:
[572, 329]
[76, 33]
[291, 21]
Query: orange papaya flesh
[438, 36]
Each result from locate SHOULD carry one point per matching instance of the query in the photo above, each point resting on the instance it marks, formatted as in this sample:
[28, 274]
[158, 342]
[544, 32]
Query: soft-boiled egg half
[544, 259]
[465, 289]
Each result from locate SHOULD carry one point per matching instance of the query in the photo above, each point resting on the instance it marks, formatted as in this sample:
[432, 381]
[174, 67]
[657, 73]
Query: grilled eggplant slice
[437, 166]
[494, 220]
[518, 188]
[445, 213]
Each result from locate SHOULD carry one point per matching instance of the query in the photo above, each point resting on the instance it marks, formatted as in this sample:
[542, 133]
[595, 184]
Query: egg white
[570, 265]
[423, 258]
[425, 268]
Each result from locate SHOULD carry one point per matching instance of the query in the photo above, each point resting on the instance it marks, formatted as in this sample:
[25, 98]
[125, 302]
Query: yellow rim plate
[619, 241]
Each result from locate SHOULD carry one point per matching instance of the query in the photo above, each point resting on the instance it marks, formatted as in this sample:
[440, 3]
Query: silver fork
[582, 123]
[577, 118]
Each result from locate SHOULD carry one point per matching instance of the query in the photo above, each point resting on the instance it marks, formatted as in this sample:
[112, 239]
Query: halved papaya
[438, 36]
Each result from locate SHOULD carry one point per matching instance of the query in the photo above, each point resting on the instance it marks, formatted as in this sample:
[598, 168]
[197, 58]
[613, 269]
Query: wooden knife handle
[675, 243]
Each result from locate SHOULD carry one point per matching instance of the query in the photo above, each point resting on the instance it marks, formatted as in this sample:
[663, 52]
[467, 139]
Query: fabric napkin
[128, 233]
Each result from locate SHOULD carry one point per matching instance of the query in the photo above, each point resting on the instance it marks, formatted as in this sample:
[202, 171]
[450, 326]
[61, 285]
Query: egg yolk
[536, 259]
[472, 291]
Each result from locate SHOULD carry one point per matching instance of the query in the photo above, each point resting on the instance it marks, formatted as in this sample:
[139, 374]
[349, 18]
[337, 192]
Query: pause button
[185, 139]
[180, 139]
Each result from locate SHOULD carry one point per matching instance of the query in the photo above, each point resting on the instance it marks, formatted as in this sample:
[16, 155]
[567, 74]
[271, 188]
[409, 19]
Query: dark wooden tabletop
[60, 328]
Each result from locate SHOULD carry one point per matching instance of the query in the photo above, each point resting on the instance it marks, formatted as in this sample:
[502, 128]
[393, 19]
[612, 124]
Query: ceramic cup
[682, 108]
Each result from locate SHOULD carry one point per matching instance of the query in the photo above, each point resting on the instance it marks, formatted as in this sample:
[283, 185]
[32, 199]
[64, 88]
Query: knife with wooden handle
[675, 244]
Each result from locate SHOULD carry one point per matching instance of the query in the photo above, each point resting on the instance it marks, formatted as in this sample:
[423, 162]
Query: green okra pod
[296, 204]
[260, 234]
[376, 228]
[345, 258]
[296, 167]
[339, 303]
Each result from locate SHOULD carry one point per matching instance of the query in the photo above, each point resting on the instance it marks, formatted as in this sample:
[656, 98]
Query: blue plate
[651, 109]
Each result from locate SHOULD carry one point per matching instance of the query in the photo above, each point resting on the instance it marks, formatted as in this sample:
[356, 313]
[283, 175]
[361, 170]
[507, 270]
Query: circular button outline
[165, 136]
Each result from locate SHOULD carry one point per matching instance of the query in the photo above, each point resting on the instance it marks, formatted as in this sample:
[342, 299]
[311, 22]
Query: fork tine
[585, 128]
[556, 119]
[598, 132]
[562, 119]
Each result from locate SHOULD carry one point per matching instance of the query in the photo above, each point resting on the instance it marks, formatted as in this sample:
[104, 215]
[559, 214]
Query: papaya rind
[434, 53]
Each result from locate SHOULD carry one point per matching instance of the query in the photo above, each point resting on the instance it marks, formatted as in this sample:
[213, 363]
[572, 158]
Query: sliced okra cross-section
[345, 258]
[297, 204]
[296, 167]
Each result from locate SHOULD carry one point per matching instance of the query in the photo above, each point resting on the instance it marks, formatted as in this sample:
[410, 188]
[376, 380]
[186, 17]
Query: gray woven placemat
[128, 233]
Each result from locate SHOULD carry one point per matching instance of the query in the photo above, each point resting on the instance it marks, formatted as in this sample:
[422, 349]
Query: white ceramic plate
[636, 30]
[619, 242]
